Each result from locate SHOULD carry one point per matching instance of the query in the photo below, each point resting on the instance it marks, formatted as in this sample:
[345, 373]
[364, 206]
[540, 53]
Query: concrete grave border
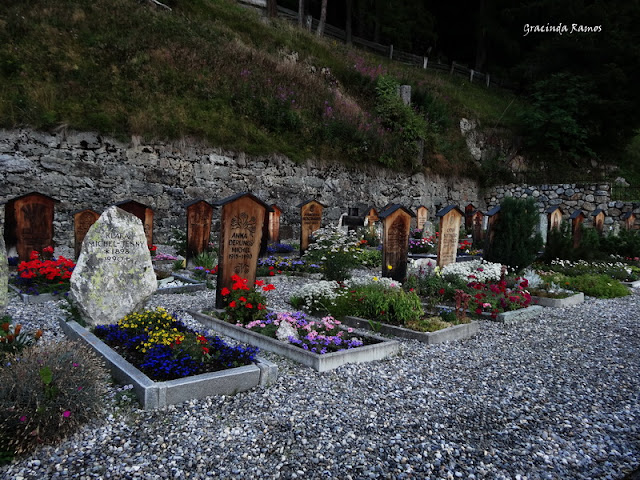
[320, 363]
[194, 286]
[153, 394]
[34, 299]
[558, 302]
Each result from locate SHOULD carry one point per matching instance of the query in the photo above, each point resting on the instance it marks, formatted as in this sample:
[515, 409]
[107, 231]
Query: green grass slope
[215, 71]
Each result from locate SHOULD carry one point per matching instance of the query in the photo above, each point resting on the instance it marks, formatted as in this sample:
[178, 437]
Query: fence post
[488, 80]
[390, 52]
[309, 22]
[425, 62]
[471, 72]
[453, 65]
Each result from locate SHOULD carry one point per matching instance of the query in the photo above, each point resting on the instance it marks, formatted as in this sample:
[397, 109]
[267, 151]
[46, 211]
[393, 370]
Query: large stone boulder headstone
[114, 275]
[4, 276]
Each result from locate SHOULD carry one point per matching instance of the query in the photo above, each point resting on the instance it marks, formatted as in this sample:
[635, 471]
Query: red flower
[478, 310]
[225, 291]
[441, 291]
[272, 273]
[259, 283]
[205, 350]
[48, 249]
[233, 304]
[268, 287]
[242, 299]
[248, 305]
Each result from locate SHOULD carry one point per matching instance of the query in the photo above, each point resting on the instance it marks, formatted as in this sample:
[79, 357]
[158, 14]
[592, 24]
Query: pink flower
[66, 413]
[23, 418]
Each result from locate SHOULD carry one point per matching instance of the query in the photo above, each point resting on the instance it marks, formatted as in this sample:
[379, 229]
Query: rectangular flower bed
[43, 297]
[558, 302]
[160, 394]
[192, 286]
[456, 332]
[321, 363]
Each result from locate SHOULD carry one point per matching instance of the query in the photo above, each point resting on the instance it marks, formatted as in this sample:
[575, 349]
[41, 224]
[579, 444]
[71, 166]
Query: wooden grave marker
[450, 220]
[554, 215]
[477, 228]
[82, 221]
[577, 219]
[144, 213]
[29, 223]
[422, 215]
[492, 217]
[396, 227]
[274, 224]
[199, 217]
[241, 229]
[629, 220]
[469, 211]
[598, 220]
[310, 221]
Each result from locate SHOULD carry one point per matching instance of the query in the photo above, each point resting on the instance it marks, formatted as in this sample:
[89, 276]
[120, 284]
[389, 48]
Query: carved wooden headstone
[629, 220]
[396, 226]
[82, 221]
[114, 275]
[310, 221]
[4, 276]
[274, 224]
[29, 223]
[372, 216]
[199, 215]
[554, 215]
[478, 228]
[450, 219]
[492, 217]
[598, 220]
[241, 228]
[144, 213]
[422, 214]
[469, 211]
[577, 218]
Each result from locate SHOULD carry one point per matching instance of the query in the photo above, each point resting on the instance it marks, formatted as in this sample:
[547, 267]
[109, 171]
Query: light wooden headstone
[577, 219]
[554, 215]
[629, 220]
[241, 229]
[29, 223]
[144, 213]
[450, 220]
[199, 215]
[598, 220]
[310, 221]
[396, 227]
[82, 221]
[422, 215]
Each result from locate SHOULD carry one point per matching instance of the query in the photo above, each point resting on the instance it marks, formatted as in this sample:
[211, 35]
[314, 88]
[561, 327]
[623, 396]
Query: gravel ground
[555, 397]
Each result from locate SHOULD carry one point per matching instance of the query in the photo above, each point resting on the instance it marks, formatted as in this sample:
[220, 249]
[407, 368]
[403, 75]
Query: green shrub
[206, 260]
[515, 242]
[600, 286]
[625, 243]
[47, 392]
[178, 240]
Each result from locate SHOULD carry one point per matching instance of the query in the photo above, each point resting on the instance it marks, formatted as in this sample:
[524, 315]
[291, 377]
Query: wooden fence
[387, 50]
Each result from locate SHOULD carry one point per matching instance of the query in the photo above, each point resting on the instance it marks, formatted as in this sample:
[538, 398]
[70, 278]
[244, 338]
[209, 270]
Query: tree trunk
[300, 13]
[323, 18]
[272, 8]
[347, 27]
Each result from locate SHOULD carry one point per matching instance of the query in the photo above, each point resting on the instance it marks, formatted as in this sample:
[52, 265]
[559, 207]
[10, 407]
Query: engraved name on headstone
[450, 219]
[422, 214]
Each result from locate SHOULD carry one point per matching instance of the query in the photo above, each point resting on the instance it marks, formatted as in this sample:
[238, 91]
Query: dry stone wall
[84, 170]
[569, 197]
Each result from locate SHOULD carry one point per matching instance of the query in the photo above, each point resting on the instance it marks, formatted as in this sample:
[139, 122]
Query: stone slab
[33, 299]
[635, 284]
[160, 394]
[456, 332]
[194, 286]
[320, 363]
[558, 302]
[516, 316]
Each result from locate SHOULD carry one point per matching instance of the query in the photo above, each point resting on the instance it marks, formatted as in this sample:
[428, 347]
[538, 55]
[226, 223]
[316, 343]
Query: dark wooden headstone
[144, 213]
[577, 219]
[199, 215]
[422, 215]
[310, 221]
[396, 226]
[554, 216]
[29, 223]
[241, 228]
[469, 211]
[82, 221]
[450, 219]
[274, 224]
[629, 220]
[478, 228]
[492, 217]
[598, 220]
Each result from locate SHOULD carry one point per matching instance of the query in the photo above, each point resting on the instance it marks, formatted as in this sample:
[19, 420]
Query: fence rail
[388, 50]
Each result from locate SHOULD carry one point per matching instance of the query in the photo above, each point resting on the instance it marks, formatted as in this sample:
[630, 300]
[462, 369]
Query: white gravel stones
[552, 398]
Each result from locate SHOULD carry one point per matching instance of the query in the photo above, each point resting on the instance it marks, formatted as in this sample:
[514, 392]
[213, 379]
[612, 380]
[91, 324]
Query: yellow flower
[375, 279]
[389, 267]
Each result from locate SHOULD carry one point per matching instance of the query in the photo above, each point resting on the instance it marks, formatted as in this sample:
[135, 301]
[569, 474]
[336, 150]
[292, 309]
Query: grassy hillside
[213, 70]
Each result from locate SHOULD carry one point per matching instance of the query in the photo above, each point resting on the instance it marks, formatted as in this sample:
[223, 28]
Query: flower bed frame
[455, 332]
[558, 302]
[320, 363]
[194, 286]
[153, 394]
[33, 299]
